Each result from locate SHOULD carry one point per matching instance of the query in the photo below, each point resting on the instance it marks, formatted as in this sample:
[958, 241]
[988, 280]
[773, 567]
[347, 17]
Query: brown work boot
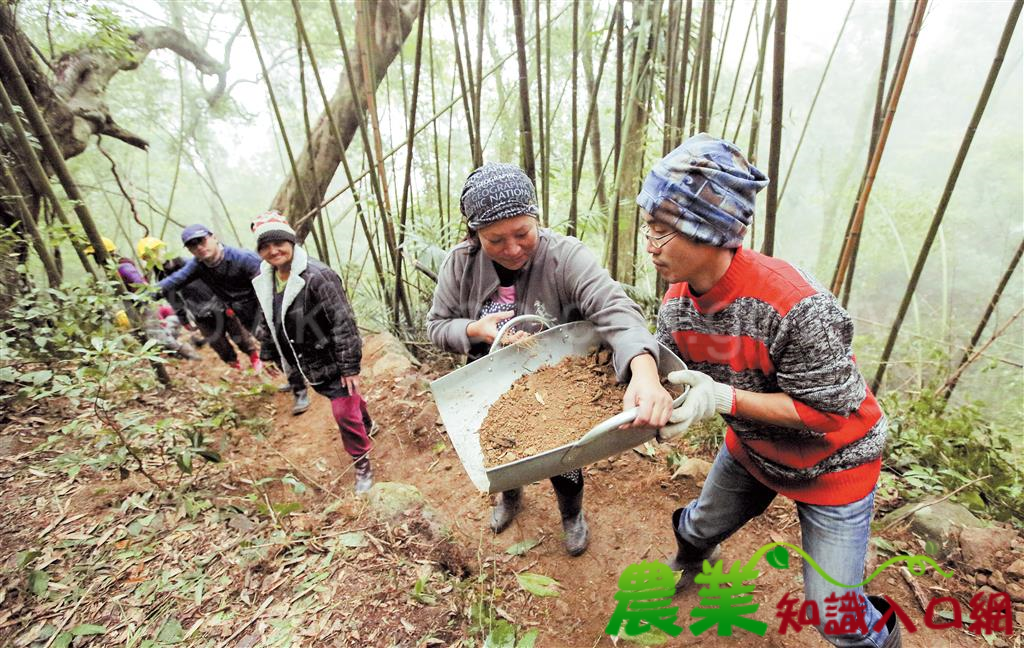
[505, 509]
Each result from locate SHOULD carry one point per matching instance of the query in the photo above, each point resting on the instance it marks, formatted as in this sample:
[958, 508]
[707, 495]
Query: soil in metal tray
[551, 407]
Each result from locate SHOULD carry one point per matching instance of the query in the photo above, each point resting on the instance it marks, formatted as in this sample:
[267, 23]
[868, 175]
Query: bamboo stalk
[525, 121]
[365, 54]
[881, 100]
[541, 131]
[14, 83]
[693, 89]
[947, 192]
[876, 124]
[613, 216]
[671, 53]
[814, 102]
[375, 183]
[775, 139]
[593, 122]
[319, 238]
[750, 88]
[11, 75]
[570, 229]
[37, 176]
[481, 18]
[474, 144]
[549, 115]
[721, 56]
[681, 96]
[433, 106]
[410, 138]
[10, 185]
[739, 65]
[630, 125]
[968, 353]
[273, 102]
[883, 135]
[707, 25]
[755, 113]
[591, 118]
[474, 91]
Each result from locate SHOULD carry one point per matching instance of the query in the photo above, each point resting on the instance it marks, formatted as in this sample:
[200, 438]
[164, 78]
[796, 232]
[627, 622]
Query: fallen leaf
[537, 584]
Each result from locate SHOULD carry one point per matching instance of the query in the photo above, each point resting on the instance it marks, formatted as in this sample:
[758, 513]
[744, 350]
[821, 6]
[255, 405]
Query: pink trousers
[353, 421]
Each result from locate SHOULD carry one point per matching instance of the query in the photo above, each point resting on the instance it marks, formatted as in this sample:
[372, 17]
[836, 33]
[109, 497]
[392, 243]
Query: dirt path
[628, 502]
[119, 556]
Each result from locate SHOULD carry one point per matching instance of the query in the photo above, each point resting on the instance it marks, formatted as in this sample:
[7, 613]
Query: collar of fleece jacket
[263, 284]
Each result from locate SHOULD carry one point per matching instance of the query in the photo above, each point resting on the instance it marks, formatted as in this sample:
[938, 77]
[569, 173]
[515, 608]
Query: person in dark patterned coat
[309, 330]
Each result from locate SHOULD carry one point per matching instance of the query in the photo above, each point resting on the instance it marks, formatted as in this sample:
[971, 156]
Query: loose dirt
[551, 407]
[628, 503]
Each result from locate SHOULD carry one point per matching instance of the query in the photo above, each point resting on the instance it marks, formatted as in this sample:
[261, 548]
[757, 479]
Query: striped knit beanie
[272, 226]
[705, 189]
[495, 192]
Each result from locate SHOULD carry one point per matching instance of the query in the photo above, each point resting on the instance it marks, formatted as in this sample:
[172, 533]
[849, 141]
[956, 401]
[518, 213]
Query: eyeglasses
[194, 242]
[657, 242]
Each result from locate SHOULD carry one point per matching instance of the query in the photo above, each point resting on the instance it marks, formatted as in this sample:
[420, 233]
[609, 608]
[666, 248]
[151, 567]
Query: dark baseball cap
[194, 232]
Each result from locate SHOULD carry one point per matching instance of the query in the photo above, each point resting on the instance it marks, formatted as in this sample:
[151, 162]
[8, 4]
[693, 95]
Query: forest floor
[270, 547]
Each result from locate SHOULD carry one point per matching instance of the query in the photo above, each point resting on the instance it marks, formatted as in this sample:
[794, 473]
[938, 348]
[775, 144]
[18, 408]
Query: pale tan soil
[549, 408]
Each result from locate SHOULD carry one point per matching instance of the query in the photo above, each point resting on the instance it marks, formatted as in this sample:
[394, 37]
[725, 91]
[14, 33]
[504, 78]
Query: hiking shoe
[235, 365]
[257, 364]
[301, 402]
[577, 533]
[287, 387]
[364, 475]
[505, 509]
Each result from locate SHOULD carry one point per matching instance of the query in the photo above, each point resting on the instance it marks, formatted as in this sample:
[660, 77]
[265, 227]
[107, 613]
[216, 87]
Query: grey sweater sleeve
[447, 320]
[602, 300]
[813, 356]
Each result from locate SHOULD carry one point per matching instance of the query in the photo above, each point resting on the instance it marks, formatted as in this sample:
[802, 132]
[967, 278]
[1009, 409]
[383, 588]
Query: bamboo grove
[460, 71]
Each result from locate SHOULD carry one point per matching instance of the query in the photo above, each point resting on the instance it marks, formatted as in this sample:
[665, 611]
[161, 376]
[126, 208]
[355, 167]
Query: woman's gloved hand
[705, 399]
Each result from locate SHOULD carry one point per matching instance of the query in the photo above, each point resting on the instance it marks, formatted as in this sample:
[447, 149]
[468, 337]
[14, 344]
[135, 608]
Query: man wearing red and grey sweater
[769, 349]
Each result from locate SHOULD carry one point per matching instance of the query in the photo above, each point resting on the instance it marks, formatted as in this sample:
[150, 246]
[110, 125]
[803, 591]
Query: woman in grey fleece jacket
[510, 266]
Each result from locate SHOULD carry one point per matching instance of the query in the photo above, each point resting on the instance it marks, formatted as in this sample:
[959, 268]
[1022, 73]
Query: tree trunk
[74, 102]
[390, 22]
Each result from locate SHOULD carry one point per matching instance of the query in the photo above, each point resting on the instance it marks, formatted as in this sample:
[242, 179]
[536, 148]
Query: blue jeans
[835, 536]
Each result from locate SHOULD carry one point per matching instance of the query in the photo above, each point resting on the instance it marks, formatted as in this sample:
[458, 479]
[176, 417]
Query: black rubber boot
[689, 559]
[505, 509]
[894, 640]
[577, 534]
[364, 475]
[301, 402]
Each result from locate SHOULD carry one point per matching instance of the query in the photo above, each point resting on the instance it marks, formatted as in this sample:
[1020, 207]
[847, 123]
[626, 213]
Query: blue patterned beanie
[705, 188]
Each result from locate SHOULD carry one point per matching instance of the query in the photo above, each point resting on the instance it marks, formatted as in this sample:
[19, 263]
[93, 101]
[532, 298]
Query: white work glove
[705, 399]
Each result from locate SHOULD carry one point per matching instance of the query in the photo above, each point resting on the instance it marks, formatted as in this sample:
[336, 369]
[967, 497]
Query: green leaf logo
[778, 558]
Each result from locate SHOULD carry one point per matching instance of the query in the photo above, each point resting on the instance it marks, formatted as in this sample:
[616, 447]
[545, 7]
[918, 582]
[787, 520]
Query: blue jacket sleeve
[178, 279]
[248, 261]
